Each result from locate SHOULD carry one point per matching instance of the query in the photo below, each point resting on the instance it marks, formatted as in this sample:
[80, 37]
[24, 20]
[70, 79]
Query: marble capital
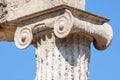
[62, 35]
[63, 20]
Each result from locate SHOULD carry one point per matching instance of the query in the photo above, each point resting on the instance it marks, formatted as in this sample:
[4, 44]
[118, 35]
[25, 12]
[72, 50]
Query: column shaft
[62, 59]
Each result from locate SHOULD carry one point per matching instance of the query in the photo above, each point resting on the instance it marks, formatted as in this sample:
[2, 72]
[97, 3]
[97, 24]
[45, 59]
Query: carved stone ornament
[23, 37]
[61, 33]
[64, 21]
[63, 25]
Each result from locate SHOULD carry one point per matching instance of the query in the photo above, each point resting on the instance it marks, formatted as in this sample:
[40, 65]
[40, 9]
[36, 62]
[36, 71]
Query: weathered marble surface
[61, 32]
[2, 11]
[63, 23]
[63, 42]
[20, 8]
[62, 59]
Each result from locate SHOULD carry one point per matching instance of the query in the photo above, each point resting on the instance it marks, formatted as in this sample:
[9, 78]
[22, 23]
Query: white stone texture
[63, 25]
[62, 59]
[61, 34]
[20, 8]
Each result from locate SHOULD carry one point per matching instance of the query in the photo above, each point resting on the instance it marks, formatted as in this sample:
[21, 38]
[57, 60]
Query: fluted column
[60, 30]
[62, 36]
[62, 59]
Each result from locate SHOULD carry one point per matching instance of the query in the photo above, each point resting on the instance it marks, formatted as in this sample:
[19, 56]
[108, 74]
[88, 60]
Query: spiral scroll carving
[63, 25]
[23, 37]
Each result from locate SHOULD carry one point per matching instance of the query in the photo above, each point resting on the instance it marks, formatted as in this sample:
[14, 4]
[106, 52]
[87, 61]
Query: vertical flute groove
[63, 59]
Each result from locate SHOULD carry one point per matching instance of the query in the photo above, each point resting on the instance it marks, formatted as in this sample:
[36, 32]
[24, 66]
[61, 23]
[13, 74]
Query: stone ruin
[61, 31]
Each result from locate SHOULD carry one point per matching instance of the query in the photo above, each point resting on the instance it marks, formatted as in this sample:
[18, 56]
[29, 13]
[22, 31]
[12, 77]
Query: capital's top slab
[74, 3]
[19, 8]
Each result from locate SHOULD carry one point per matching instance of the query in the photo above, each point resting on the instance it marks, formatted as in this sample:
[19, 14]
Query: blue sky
[18, 64]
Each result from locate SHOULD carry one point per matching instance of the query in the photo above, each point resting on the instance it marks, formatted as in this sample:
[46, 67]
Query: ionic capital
[63, 21]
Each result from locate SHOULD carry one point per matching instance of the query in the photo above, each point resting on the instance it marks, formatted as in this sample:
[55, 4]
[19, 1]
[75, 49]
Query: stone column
[62, 37]
[62, 59]
[61, 32]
